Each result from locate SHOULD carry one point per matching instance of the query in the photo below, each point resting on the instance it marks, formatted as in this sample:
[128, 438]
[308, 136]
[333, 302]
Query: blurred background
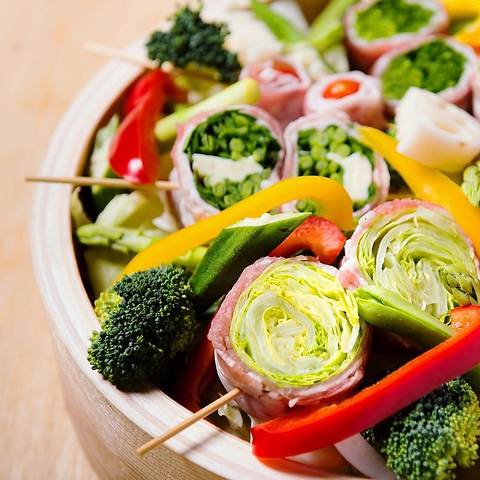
[44, 66]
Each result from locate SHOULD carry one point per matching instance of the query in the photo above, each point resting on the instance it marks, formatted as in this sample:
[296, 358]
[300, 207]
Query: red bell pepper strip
[316, 234]
[133, 153]
[311, 429]
[197, 376]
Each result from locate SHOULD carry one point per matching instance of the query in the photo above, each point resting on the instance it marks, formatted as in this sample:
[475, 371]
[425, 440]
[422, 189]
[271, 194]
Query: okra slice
[236, 247]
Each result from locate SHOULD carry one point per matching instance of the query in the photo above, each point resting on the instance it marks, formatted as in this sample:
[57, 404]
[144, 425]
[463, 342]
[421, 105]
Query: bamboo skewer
[204, 412]
[112, 52]
[108, 51]
[105, 182]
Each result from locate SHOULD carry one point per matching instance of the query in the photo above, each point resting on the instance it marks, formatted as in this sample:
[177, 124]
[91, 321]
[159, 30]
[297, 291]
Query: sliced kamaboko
[289, 335]
[326, 143]
[417, 250]
[283, 84]
[439, 64]
[435, 132]
[374, 27]
[222, 156]
[356, 93]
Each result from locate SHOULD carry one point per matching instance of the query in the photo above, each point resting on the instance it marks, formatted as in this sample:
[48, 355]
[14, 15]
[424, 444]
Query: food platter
[110, 423]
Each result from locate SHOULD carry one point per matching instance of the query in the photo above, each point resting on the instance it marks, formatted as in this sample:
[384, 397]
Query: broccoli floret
[146, 318]
[434, 435]
[191, 41]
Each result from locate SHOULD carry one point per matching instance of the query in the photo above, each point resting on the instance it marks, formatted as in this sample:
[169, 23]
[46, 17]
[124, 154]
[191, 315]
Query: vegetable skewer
[189, 421]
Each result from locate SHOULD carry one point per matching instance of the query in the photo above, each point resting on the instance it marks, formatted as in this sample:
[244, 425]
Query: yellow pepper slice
[462, 8]
[332, 199]
[465, 9]
[427, 183]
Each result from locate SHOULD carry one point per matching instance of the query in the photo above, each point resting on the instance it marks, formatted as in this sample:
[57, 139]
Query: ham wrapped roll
[326, 143]
[288, 335]
[417, 250]
[283, 84]
[374, 27]
[222, 156]
[439, 64]
[355, 93]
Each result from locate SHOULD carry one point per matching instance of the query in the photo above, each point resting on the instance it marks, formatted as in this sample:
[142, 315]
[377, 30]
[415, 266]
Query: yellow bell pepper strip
[427, 183]
[311, 429]
[333, 203]
[462, 10]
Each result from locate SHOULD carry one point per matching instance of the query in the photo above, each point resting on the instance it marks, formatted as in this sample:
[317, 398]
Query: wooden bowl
[112, 424]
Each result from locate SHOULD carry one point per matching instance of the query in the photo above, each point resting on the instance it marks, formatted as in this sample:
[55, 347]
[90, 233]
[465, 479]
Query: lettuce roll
[288, 335]
[326, 143]
[374, 27]
[222, 156]
[417, 250]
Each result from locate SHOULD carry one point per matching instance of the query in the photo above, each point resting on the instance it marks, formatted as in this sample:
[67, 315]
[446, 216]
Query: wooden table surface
[44, 65]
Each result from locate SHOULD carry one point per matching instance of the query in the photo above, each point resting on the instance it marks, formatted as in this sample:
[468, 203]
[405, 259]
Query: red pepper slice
[311, 429]
[197, 376]
[341, 88]
[316, 234]
[133, 152]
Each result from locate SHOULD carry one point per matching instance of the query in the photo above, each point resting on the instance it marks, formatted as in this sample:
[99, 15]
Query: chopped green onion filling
[296, 325]
[321, 152]
[386, 18]
[433, 66]
[234, 137]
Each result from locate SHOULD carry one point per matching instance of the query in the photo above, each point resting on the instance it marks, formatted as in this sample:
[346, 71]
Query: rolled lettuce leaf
[288, 334]
[418, 251]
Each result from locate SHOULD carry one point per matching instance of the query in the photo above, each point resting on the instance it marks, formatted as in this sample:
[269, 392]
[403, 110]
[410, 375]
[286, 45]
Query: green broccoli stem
[384, 309]
[245, 91]
[121, 239]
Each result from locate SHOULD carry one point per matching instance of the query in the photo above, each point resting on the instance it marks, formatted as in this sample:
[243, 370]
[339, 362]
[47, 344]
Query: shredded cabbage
[296, 325]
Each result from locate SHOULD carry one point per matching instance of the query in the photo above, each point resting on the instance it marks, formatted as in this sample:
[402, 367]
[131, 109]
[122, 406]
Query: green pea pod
[236, 247]
[278, 25]
[384, 309]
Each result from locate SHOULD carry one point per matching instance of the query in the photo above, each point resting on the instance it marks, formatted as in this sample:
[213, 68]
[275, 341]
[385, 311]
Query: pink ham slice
[262, 399]
[460, 94]
[365, 105]
[321, 120]
[187, 202]
[364, 53]
[283, 84]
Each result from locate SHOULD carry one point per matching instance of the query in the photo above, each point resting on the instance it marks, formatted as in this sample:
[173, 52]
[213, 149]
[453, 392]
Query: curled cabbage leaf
[296, 325]
[421, 254]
